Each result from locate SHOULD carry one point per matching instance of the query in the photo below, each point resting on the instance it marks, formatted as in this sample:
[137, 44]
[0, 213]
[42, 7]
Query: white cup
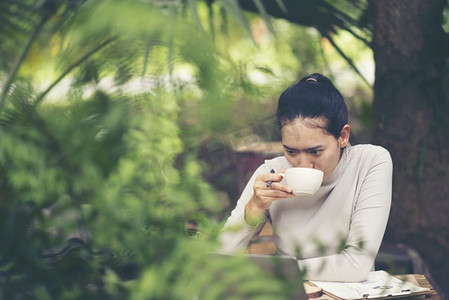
[303, 181]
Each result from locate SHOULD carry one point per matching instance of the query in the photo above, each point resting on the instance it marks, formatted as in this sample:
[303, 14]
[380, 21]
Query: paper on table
[379, 284]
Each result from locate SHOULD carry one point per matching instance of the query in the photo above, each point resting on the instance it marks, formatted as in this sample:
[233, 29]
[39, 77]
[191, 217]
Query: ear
[343, 140]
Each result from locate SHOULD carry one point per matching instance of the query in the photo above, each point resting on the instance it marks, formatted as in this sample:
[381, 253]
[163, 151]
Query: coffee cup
[303, 181]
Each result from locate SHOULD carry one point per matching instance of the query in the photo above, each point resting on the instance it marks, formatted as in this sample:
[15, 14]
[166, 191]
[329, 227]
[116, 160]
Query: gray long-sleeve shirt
[335, 233]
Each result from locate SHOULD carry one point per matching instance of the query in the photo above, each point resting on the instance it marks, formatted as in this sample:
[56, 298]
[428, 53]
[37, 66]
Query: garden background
[119, 121]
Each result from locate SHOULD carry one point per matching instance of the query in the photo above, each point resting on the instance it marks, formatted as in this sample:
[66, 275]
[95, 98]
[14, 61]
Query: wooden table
[422, 281]
[314, 292]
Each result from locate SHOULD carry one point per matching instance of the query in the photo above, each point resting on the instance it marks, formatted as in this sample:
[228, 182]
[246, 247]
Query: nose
[305, 161]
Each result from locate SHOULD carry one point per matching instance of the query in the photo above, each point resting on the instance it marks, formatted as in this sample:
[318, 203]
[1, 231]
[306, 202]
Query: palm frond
[234, 9]
[193, 5]
[281, 5]
[22, 22]
[17, 19]
[70, 68]
[20, 58]
[324, 15]
[346, 58]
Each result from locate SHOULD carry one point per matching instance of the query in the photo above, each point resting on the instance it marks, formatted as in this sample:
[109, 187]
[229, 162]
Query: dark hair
[312, 97]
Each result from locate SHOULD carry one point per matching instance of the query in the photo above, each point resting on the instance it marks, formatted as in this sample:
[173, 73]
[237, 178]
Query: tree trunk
[411, 117]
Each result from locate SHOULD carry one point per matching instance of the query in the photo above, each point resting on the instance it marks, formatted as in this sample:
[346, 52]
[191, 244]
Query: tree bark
[411, 119]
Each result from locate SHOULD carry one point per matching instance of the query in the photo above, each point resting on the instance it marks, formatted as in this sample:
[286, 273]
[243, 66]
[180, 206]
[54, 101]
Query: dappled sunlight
[123, 128]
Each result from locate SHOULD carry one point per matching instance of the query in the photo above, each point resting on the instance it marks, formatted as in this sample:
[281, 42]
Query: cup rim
[304, 168]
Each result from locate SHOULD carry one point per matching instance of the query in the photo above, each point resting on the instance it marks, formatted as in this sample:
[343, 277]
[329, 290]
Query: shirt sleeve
[236, 233]
[368, 223]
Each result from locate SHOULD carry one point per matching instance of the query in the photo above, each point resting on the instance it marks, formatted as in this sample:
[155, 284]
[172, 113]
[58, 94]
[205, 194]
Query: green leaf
[233, 8]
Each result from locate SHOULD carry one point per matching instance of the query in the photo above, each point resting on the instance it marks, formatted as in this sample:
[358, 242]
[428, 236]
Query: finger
[280, 187]
[269, 177]
[273, 178]
[281, 195]
[262, 182]
[269, 195]
[261, 187]
[264, 198]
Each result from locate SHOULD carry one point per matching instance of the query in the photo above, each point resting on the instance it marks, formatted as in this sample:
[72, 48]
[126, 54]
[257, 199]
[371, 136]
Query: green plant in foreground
[94, 191]
[92, 207]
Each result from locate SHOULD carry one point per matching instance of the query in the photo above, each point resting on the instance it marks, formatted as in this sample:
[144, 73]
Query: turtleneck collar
[342, 163]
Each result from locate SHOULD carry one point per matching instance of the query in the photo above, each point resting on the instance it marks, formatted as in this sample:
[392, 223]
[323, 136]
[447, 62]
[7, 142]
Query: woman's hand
[264, 194]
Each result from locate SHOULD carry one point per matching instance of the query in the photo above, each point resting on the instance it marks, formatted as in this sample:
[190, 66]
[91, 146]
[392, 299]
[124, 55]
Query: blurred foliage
[104, 105]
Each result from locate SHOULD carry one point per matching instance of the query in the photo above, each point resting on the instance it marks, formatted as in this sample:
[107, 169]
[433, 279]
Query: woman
[335, 233]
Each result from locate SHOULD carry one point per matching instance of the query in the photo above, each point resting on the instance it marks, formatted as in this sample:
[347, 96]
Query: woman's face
[307, 144]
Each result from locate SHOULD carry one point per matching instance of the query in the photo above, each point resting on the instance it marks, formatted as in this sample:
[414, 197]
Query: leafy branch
[70, 68]
[21, 57]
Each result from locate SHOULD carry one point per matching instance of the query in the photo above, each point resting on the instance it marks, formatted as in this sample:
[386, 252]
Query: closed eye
[315, 152]
[290, 151]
